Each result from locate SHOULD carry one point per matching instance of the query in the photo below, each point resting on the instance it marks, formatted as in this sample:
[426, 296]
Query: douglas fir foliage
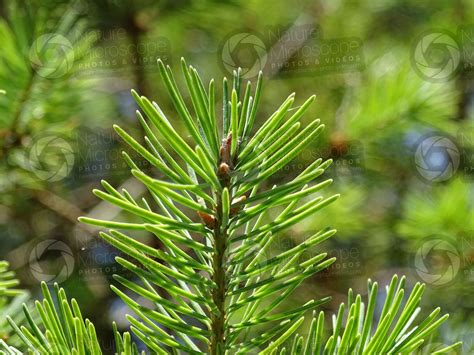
[213, 286]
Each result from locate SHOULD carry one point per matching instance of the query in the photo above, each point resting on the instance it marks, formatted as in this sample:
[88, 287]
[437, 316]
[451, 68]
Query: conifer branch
[217, 284]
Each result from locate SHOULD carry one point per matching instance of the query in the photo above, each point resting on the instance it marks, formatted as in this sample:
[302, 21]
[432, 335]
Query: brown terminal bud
[225, 150]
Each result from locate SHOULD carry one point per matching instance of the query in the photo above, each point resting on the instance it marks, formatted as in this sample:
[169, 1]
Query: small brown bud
[225, 149]
[224, 170]
[208, 220]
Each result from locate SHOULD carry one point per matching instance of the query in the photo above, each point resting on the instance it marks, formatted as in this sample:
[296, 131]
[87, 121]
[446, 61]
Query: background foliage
[57, 142]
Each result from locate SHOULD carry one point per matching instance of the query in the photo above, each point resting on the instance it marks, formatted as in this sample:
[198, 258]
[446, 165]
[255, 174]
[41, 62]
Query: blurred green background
[395, 89]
